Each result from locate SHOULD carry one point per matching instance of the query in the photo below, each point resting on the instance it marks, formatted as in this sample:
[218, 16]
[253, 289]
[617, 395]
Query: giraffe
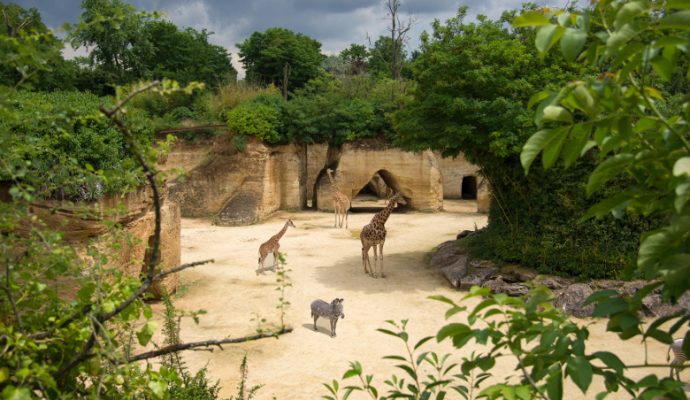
[341, 202]
[271, 246]
[374, 234]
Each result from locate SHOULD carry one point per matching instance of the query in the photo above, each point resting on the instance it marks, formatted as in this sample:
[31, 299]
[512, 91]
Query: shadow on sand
[405, 273]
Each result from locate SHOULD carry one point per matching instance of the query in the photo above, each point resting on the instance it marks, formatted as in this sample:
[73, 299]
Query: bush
[65, 148]
[259, 117]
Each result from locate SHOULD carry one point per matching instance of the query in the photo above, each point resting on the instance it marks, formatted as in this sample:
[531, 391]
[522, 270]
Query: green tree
[186, 56]
[622, 117]
[473, 84]
[278, 53]
[356, 56]
[19, 23]
[259, 117]
[115, 32]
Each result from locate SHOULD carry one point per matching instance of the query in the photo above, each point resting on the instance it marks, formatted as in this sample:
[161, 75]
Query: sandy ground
[325, 263]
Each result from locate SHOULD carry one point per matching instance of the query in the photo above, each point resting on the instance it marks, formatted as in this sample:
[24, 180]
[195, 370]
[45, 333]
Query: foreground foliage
[620, 117]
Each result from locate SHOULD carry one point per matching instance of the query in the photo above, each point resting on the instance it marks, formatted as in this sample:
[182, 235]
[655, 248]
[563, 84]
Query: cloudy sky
[335, 23]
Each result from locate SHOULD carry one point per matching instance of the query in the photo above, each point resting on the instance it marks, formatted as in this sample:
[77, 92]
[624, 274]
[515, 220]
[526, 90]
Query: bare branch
[206, 343]
[179, 268]
[118, 107]
[8, 290]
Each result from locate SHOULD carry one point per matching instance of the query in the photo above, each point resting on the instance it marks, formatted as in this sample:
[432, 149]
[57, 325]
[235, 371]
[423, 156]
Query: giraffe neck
[382, 216]
[334, 188]
[281, 233]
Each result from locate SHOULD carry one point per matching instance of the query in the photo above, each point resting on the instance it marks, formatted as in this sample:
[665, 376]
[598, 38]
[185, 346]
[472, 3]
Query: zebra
[679, 357]
[320, 308]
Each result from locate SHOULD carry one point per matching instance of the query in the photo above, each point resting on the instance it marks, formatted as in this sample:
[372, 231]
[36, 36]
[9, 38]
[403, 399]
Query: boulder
[478, 271]
[446, 254]
[498, 285]
[552, 282]
[514, 273]
[570, 300]
[456, 272]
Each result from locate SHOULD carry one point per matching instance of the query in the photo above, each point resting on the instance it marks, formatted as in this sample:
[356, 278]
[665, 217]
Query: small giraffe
[272, 245]
[341, 202]
[374, 234]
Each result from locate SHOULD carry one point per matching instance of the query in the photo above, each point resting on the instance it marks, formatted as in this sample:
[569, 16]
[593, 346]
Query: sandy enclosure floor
[325, 263]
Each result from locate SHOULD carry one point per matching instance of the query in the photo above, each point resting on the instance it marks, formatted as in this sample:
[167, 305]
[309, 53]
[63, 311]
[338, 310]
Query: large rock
[416, 175]
[236, 187]
[571, 300]
[478, 272]
[452, 262]
[498, 285]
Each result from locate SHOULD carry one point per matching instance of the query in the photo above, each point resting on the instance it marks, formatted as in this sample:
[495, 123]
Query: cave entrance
[373, 196]
[468, 188]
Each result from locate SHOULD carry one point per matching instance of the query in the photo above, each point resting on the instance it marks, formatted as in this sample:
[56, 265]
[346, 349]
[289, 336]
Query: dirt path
[326, 263]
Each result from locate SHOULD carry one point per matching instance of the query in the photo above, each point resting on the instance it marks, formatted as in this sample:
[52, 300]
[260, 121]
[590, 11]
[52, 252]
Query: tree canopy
[270, 56]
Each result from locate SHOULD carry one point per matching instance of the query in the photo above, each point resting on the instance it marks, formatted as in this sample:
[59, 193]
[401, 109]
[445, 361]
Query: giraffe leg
[347, 212]
[381, 253]
[335, 215]
[365, 258]
[376, 261]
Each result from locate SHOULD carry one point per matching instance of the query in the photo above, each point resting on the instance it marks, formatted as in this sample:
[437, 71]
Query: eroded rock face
[240, 187]
[416, 175]
[571, 300]
[463, 273]
[81, 223]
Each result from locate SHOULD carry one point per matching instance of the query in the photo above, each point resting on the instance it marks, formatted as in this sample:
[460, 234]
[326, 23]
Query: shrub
[259, 117]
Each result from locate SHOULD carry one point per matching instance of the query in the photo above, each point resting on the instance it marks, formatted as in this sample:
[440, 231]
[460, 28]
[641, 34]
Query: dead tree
[398, 31]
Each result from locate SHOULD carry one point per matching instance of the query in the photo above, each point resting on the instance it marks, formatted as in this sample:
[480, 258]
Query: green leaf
[350, 373]
[609, 306]
[604, 207]
[536, 143]
[628, 12]
[146, 332]
[554, 384]
[610, 360]
[580, 372]
[682, 166]
[679, 4]
[531, 18]
[451, 330]
[575, 143]
[663, 67]
[676, 20]
[607, 170]
[422, 341]
[552, 151]
[557, 113]
[538, 97]
[547, 36]
[620, 37]
[662, 242]
[572, 42]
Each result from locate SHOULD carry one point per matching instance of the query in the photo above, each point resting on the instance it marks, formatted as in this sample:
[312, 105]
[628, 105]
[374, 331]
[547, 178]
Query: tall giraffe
[341, 202]
[272, 245]
[374, 234]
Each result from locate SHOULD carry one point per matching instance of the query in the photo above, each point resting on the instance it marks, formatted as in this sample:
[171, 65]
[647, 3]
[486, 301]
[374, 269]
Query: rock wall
[241, 187]
[416, 175]
[457, 168]
[236, 187]
[82, 224]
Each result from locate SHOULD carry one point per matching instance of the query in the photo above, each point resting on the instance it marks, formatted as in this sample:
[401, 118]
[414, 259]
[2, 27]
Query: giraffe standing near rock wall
[271, 246]
[341, 202]
[374, 234]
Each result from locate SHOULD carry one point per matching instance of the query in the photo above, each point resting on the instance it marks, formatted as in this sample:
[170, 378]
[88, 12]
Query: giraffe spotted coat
[374, 235]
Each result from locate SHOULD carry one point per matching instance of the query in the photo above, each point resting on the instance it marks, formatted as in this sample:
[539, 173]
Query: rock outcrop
[416, 175]
[84, 223]
[569, 296]
[236, 187]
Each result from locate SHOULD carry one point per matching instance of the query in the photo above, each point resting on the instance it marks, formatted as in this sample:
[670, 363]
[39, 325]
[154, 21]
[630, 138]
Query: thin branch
[118, 107]
[182, 267]
[8, 291]
[206, 343]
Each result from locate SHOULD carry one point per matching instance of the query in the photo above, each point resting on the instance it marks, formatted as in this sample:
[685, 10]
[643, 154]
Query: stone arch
[468, 187]
[382, 185]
